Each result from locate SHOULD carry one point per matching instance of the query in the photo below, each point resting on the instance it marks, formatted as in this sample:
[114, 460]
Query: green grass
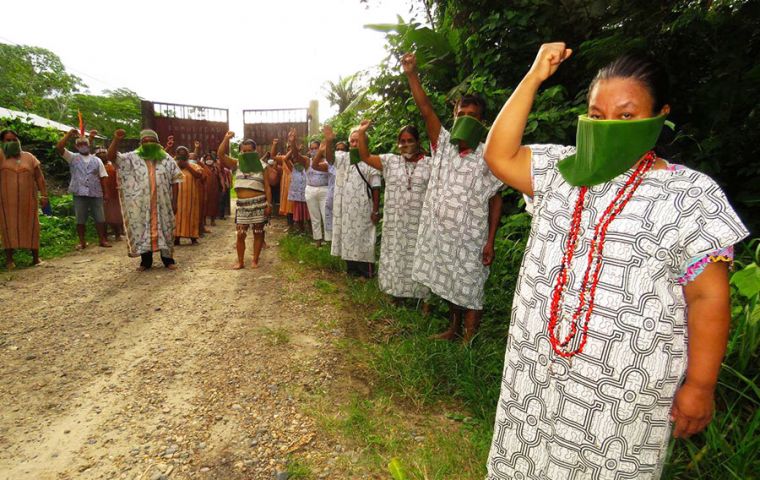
[57, 234]
[275, 336]
[409, 371]
[300, 249]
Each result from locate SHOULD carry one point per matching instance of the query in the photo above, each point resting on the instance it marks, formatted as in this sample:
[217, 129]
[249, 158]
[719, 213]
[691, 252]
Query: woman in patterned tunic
[610, 345]
[406, 178]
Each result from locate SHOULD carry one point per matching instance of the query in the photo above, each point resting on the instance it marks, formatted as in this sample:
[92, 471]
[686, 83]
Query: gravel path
[111, 373]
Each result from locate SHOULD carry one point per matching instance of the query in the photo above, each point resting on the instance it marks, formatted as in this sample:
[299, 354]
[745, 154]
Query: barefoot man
[254, 196]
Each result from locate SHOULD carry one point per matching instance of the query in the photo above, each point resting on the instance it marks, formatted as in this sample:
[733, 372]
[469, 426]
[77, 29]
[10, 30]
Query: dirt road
[111, 373]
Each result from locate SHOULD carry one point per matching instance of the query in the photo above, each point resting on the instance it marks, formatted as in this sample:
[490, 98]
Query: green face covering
[468, 130]
[353, 156]
[249, 162]
[12, 148]
[151, 151]
[607, 148]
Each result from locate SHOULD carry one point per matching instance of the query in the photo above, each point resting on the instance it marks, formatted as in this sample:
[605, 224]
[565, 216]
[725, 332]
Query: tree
[35, 80]
[113, 110]
[343, 92]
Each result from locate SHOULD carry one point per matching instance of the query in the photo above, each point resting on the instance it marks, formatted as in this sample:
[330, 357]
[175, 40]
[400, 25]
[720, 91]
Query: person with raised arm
[620, 316]
[254, 196]
[406, 175]
[188, 223]
[87, 184]
[148, 185]
[356, 206]
[460, 215]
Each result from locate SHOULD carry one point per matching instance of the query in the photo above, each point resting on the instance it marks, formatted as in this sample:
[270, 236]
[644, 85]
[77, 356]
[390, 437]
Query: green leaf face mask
[353, 155]
[249, 162]
[12, 148]
[151, 151]
[468, 130]
[607, 148]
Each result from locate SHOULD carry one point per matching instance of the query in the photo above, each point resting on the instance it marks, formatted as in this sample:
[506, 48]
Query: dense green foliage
[486, 47]
[35, 80]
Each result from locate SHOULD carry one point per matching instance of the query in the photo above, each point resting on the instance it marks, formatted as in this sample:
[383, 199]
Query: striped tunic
[189, 204]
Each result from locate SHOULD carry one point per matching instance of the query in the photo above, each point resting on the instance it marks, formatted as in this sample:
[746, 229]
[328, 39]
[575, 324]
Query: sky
[232, 54]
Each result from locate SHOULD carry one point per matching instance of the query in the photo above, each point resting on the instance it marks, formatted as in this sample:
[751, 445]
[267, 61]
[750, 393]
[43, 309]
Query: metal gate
[187, 123]
[264, 125]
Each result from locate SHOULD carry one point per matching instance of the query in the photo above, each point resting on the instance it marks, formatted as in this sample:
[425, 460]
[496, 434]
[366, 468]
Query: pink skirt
[300, 212]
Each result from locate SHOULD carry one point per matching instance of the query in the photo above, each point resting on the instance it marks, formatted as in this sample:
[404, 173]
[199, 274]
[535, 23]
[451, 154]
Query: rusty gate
[187, 123]
[264, 125]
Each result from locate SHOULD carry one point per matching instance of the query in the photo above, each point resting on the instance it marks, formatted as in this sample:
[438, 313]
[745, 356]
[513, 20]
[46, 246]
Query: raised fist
[120, 133]
[548, 59]
[409, 63]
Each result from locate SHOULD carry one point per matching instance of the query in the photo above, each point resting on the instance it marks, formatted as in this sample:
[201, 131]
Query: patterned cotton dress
[454, 225]
[353, 235]
[405, 187]
[604, 414]
[146, 202]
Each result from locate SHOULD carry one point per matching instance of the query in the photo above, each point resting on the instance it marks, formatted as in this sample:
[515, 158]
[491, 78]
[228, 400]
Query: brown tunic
[213, 191]
[286, 206]
[112, 205]
[188, 205]
[19, 220]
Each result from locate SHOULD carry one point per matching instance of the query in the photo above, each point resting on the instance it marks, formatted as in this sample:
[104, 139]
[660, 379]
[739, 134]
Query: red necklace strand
[594, 262]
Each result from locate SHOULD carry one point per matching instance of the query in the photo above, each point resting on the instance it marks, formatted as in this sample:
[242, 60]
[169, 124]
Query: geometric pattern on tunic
[454, 225]
[401, 220]
[135, 195]
[604, 414]
[353, 233]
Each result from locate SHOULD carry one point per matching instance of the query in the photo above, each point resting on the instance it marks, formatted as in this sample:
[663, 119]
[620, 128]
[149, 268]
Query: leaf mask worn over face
[12, 148]
[250, 162]
[607, 148]
[468, 130]
[151, 151]
[353, 156]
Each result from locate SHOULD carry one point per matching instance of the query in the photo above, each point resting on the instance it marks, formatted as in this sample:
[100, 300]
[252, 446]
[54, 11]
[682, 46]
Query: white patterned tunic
[353, 234]
[146, 202]
[605, 414]
[454, 225]
[405, 187]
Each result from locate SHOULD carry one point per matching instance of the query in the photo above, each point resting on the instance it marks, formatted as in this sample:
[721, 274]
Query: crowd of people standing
[620, 315]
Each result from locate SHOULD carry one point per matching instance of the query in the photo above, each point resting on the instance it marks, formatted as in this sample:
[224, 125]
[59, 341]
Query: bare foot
[172, 266]
[238, 266]
[37, 263]
[105, 245]
[206, 230]
[254, 264]
[449, 335]
[265, 246]
[142, 268]
[82, 246]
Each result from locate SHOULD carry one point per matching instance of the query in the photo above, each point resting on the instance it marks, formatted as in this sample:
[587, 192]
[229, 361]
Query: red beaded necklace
[594, 265]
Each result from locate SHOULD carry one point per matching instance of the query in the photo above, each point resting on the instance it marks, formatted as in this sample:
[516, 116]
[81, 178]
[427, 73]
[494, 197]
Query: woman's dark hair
[2, 134]
[315, 141]
[645, 70]
[248, 141]
[410, 129]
